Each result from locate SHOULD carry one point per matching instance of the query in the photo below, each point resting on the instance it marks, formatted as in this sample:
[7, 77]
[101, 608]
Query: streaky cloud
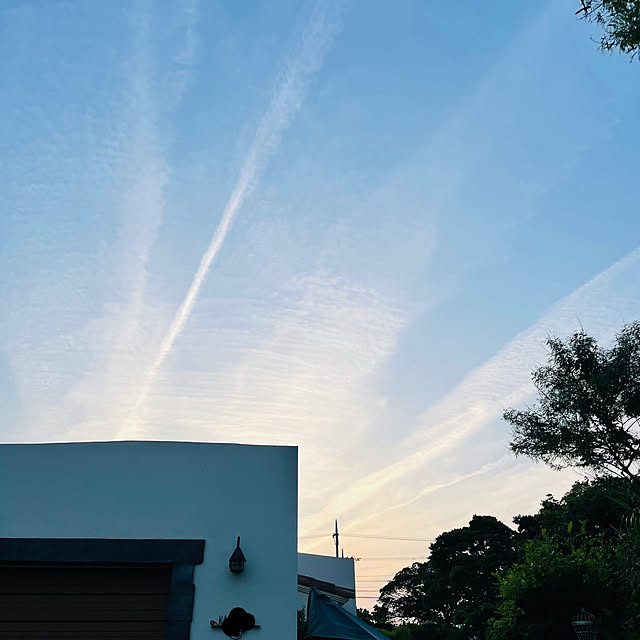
[481, 395]
[287, 99]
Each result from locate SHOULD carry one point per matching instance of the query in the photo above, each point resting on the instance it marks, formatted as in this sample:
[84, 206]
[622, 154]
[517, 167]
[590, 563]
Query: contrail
[478, 398]
[287, 98]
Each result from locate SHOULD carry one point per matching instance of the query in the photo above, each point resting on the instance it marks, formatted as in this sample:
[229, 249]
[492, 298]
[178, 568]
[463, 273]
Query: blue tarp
[326, 619]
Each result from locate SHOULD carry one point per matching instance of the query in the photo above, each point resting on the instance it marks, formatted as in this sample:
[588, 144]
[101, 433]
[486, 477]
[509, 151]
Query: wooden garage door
[122, 603]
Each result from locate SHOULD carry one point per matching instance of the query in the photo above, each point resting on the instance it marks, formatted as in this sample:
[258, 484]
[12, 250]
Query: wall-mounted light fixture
[237, 559]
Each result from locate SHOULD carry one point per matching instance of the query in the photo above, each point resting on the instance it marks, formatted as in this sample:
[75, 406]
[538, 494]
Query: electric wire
[368, 536]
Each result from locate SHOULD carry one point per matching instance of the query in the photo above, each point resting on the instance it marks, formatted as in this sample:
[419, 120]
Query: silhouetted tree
[379, 617]
[588, 411]
[426, 631]
[602, 504]
[302, 625]
[456, 586]
[365, 615]
[540, 595]
[620, 22]
[628, 565]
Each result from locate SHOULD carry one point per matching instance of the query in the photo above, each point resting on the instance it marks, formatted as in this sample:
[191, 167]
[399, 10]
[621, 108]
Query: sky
[346, 226]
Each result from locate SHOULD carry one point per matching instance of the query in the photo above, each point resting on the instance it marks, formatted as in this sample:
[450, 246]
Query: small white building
[333, 577]
[133, 539]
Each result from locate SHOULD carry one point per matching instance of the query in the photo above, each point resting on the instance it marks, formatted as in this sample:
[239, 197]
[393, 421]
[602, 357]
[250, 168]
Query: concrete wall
[171, 490]
[339, 571]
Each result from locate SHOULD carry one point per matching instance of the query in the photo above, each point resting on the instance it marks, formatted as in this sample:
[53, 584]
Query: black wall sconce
[237, 559]
[236, 623]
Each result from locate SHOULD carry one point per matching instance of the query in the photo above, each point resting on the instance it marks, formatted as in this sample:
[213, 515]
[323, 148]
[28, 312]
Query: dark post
[336, 537]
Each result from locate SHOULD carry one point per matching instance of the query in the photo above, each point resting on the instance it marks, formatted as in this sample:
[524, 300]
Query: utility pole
[336, 537]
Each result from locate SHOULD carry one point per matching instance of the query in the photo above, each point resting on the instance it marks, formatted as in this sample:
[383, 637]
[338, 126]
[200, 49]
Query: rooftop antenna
[336, 537]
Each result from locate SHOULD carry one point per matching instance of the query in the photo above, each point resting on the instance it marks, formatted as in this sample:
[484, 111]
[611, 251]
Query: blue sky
[407, 200]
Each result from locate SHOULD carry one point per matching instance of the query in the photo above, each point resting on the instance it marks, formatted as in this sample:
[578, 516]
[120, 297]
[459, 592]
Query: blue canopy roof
[326, 619]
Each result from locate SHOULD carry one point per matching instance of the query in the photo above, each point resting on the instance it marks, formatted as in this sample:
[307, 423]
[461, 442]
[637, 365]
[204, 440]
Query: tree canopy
[488, 581]
[456, 586]
[601, 504]
[620, 22]
[588, 411]
[579, 551]
[542, 593]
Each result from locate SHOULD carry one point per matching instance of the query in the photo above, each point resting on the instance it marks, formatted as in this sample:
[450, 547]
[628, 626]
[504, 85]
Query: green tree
[379, 617]
[628, 565]
[456, 587]
[365, 615]
[416, 594]
[602, 504]
[426, 631]
[588, 411]
[302, 624]
[604, 513]
[540, 595]
[620, 22]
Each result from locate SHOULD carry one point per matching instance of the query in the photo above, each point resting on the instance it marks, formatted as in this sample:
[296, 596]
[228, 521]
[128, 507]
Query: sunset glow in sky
[347, 226]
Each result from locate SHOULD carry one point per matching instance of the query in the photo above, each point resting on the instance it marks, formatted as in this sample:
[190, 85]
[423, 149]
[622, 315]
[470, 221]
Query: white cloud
[285, 102]
[479, 399]
[304, 372]
[116, 342]
[300, 363]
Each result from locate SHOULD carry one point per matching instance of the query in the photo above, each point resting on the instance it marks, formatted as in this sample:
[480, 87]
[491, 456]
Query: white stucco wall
[339, 571]
[171, 490]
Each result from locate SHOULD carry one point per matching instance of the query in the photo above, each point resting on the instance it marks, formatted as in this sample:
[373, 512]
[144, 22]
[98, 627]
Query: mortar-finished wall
[339, 571]
[171, 490]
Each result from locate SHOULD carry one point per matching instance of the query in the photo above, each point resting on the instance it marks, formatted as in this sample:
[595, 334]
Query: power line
[374, 537]
[369, 536]
[376, 581]
[394, 558]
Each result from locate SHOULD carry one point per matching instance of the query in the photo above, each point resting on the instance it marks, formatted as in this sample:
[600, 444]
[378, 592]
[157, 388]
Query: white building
[334, 577]
[133, 539]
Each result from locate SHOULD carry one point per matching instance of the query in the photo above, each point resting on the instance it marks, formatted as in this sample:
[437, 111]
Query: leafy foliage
[555, 579]
[456, 586]
[415, 595]
[588, 414]
[426, 631]
[628, 566]
[601, 504]
[366, 616]
[583, 550]
[620, 21]
[302, 624]
[378, 618]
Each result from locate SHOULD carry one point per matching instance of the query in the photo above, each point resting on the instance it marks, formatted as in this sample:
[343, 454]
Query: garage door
[84, 602]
